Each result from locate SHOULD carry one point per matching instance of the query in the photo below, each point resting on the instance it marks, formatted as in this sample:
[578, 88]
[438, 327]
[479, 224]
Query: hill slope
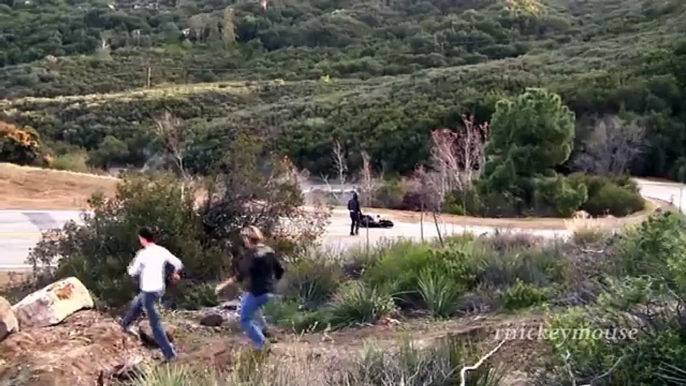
[377, 76]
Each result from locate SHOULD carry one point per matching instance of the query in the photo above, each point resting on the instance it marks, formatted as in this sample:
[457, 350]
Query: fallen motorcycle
[367, 221]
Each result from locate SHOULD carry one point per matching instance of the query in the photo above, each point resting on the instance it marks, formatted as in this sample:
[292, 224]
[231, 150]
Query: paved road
[20, 230]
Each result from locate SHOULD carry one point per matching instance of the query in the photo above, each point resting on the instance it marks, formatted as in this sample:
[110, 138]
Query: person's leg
[134, 312]
[352, 224]
[158, 332]
[250, 305]
[357, 223]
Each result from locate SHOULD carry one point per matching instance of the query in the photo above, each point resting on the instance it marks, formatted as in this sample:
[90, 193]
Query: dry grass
[30, 188]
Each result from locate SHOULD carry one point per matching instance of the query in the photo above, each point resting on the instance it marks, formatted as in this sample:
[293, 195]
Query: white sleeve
[173, 260]
[135, 266]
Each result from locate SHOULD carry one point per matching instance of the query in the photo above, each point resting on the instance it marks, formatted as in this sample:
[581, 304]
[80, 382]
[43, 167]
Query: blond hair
[252, 234]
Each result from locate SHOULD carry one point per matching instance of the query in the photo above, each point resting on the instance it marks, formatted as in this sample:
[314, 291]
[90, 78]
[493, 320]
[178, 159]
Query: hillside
[377, 76]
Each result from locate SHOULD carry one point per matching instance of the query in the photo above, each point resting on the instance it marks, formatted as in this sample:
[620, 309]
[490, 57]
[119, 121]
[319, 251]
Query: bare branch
[612, 147]
[370, 183]
[339, 162]
[175, 138]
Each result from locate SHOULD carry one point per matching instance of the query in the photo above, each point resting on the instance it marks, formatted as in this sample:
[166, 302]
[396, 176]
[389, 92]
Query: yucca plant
[360, 303]
[174, 376]
[439, 293]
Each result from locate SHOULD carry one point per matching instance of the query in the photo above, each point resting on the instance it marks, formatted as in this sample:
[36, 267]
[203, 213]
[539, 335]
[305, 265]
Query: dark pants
[145, 301]
[355, 223]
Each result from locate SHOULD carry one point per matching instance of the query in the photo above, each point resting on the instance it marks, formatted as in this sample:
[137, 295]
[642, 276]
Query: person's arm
[237, 277]
[134, 268]
[177, 263]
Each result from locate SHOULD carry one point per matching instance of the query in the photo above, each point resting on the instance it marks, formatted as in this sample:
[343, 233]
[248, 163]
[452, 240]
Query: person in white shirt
[149, 266]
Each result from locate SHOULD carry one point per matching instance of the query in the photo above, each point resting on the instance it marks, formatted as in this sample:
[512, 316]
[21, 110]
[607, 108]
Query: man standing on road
[355, 214]
[149, 266]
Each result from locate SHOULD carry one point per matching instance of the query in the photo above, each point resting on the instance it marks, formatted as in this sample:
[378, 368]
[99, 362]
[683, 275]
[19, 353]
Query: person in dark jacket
[355, 214]
[258, 273]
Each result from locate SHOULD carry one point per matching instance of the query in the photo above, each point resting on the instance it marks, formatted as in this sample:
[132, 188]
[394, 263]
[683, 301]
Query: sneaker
[269, 336]
[131, 331]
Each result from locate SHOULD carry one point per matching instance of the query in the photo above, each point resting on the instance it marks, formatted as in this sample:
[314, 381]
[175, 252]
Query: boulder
[212, 320]
[145, 333]
[8, 321]
[52, 304]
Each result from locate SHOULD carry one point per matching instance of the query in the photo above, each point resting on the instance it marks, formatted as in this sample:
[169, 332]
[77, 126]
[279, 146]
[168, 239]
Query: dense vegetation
[375, 76]
[592, 281]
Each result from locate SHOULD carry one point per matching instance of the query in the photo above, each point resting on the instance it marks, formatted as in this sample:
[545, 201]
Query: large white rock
[53, 304]
[8, 322]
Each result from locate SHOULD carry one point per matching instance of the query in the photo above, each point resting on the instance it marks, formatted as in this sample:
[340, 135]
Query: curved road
[20, 230]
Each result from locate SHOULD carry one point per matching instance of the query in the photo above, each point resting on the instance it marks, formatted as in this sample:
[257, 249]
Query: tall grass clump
[441, 295]
[438, 365]
[313, 279]
[357, 302]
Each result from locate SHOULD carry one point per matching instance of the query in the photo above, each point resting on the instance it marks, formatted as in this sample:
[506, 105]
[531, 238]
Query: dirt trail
[77, 351]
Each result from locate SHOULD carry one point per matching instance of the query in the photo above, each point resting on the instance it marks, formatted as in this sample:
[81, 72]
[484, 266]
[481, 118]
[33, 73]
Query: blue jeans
[251, 305]
[145, 301]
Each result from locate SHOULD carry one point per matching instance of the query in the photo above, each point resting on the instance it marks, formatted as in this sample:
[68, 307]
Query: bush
[540, 265]
[439, 292]
[312, 280]
[555, 196]
[73, 162]
[615, 200]
[408, 365]
[522, 295]
[400, 266]
[618, 195]
[203, 236]
[642, 336]
[358, 303]
[21, 146]
[99, 251]
[290, 315]
[649, 248]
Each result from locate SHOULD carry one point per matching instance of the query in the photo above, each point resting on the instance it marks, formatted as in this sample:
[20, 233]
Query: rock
[8, 321]
[212, 320]
[52, 304]
[145, 332]
[122, 372]
[71, 353]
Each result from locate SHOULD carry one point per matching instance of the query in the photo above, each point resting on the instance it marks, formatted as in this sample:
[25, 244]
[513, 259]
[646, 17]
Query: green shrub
[618, 195]
[74, 162]
[438, 364]
[465, 202]
[649, 248]
[400, 266]
[439, 292]
[522, 295]
[173, 376]
[290, 315]
[642, 335]
[538, 265]
[312, 280]
[357, 302]
[556, 196]
[615, 200]
[192, 295]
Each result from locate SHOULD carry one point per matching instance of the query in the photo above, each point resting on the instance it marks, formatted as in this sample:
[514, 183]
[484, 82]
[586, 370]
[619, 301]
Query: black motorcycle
[367, 221]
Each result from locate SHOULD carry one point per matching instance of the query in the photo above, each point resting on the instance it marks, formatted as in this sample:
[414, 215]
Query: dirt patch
[72, 353]
[43, 189]
[77, 351]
